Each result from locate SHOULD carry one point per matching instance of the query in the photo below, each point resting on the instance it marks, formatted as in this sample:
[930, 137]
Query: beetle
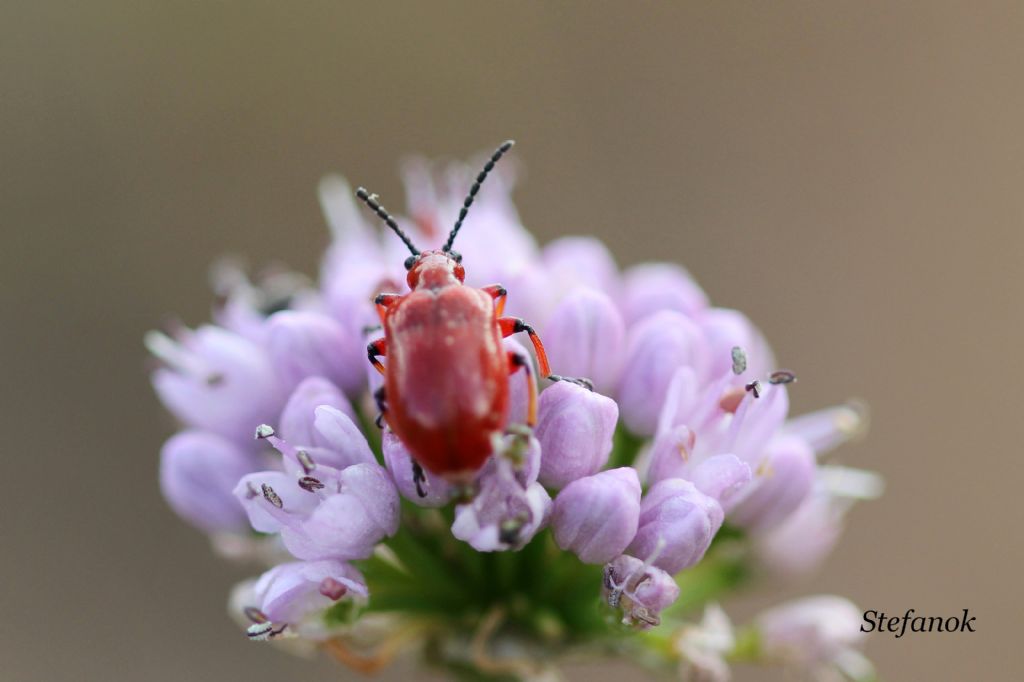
[446, 382]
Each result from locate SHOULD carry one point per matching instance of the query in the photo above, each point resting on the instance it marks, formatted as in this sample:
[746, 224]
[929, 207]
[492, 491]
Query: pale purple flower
[596, 517]
[198, 472]
[656, 346]
[215, 380]
[654, 287]
[295, 593]
[321, 512]
[684, 520]
[297, 418]
[585, 337]
[781, 482]
[575, 430]
[800, 543]
[819, 636]
[639, 589]
[304, 344]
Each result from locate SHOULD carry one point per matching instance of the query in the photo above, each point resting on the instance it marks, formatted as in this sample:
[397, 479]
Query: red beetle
[446, 382]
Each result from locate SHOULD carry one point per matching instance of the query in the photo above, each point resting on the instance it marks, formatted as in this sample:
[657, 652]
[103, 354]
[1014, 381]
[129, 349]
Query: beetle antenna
[371, 201]
[488, 167]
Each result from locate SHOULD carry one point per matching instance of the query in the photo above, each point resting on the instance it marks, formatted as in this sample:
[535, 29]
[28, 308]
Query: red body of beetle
[446, 383]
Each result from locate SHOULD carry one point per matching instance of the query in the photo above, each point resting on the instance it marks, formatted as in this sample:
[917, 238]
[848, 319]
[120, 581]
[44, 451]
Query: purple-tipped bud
[580, 261]
[198, 472]
[290, 593]
[575, 430]
[677, 523]
[296, 425]
[304, 344]
[812, 632]
[653, 287]
[596, 517]
[639, 589]
[655, 348]
[436, 492]
[781, 482]
[585, 337]
[215, 380]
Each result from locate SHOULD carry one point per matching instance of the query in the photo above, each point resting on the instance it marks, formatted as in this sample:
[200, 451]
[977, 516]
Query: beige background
[850, 174]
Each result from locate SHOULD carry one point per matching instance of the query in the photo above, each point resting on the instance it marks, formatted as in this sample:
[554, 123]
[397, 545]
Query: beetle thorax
[434, 270]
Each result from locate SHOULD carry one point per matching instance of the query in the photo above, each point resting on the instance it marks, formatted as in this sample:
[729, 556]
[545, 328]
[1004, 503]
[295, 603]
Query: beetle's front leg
[377, 349]
[383, 302]
[514, 325]
[498, 293]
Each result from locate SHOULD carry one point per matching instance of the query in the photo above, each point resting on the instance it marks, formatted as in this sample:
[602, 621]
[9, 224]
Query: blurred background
[848, 174]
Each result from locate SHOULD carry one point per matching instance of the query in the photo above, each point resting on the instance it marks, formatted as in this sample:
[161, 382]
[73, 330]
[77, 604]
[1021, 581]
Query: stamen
[264, 431]
[418, 478]
[332, 589]
[755, 388]
[739, 360]
[310, 484]
[272, 497]
[305, 461]
[731, 399]
[781, 376]
[250, 492]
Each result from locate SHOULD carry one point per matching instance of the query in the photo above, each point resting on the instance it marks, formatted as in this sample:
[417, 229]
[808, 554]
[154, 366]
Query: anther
[739, 360]
[782, 376]
[332, 589]
[272, 497]
[255, 615]
[418, 478]
[755, 388]
[305, 461]
[264, 431]
[307, 483]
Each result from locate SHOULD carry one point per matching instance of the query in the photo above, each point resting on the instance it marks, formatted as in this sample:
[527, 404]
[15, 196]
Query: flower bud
[575, 430]
[677, 523]
[655, 348]
[781, 482]
[653, 287]
[296, 425]
[719, 477]
[580, 261]
[639, 589]
[198, 471]
[725, 329]
[437, 491]
[342, 440]
[585, 337]
[304, 344]
[596, 517]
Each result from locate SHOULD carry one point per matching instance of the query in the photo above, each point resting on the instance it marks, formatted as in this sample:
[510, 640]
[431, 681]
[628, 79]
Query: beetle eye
[456, 256]
[409, 262]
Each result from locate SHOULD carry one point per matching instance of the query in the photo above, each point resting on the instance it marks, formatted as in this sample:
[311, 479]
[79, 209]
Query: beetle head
[435, 269]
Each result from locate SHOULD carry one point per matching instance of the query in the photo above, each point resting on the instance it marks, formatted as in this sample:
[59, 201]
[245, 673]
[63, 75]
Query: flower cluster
[684, 448]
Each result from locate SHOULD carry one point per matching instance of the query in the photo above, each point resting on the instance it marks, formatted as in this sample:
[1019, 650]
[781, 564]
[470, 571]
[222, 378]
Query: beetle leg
[515, 361]
[374, 350]
[513, 325]
[498, 293]
[385, 301]
[380, 397]
[419, 478]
